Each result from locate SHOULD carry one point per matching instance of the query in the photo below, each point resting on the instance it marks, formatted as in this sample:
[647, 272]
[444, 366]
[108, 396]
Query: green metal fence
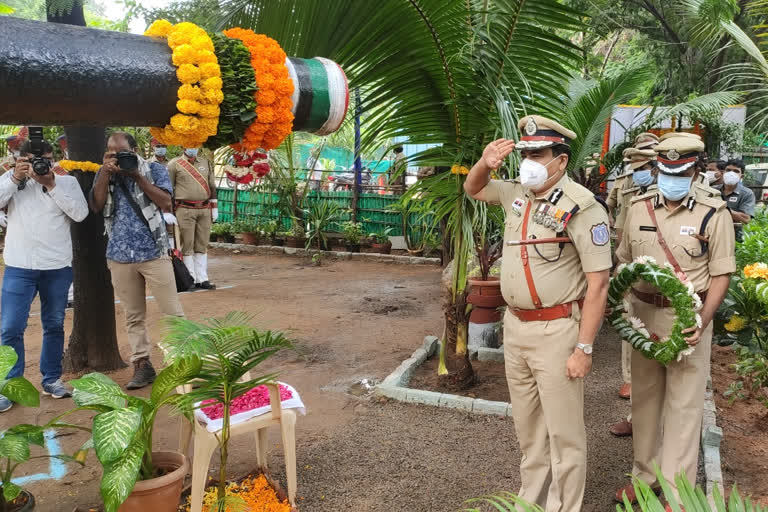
[373, 210]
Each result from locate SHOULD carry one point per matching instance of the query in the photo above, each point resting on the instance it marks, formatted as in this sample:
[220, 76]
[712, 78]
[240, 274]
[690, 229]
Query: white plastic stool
[206, 443]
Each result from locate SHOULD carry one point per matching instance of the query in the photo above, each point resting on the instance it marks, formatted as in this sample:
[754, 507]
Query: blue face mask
[642, 178]
[160, 151]
[674, 188]
[191, 152]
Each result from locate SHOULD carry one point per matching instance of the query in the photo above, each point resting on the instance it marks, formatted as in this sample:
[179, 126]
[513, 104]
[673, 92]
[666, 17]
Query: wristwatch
[585, 347]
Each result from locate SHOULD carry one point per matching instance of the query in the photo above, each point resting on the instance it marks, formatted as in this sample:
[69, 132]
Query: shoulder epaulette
[648, 195]
[706, 189]
[580, 195]
[712, 202]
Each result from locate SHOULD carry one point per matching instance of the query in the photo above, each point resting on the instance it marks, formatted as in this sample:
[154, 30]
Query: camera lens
[41, 166]
[127, 160]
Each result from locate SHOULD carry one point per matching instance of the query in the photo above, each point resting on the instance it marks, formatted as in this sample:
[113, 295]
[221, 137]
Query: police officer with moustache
[554, 278]
[680, 225]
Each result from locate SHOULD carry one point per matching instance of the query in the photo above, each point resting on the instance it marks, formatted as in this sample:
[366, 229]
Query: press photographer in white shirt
[38, 258]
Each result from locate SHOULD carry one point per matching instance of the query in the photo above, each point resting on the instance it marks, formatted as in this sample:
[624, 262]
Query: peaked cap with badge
[670, 135]
[678, 154]
[646, 140]
[539, 132]
[639, 157]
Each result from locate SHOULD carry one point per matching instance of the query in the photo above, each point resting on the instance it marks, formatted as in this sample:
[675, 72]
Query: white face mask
[711, 176]
[16, 153]
[731, 178]
[533, 174]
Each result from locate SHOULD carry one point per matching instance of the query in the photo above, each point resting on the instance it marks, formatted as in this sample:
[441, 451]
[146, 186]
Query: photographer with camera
[132, 194]
[38, 256]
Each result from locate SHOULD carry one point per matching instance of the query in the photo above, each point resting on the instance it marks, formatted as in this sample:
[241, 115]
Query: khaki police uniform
[544, 286]
[193, 211]
[667, 401]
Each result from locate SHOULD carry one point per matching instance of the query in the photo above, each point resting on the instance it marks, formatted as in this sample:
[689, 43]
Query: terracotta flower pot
[295, 242]
[161, 494]
[24, 502]
[486, 298]
[251, 238]
[385, 248]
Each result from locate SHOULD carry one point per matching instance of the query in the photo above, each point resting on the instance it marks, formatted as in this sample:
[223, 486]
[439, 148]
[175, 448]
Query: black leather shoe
[143, 374]
[205, 285]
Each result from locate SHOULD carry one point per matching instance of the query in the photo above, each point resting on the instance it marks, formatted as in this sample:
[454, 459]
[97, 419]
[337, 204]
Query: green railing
[373, 210]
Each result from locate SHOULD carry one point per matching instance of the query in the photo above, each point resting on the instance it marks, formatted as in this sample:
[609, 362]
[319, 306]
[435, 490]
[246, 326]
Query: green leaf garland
[239, 107]
[683, 298]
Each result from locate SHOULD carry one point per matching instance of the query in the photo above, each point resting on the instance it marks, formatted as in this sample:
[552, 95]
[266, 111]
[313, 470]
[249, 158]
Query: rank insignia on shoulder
[600, 234]
[517, 206]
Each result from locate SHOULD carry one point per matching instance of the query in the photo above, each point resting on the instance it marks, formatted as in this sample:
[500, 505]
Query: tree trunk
[460, 374]
[93, 342]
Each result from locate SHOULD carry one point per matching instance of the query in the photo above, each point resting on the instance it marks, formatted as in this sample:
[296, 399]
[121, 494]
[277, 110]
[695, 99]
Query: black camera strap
[133, 203]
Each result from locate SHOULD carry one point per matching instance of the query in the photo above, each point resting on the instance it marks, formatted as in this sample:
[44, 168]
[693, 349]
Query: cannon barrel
[54, 74]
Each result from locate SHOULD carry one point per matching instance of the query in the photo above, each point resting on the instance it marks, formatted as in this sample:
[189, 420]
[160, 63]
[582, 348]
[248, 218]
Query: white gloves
[169, 218]
[3, 220]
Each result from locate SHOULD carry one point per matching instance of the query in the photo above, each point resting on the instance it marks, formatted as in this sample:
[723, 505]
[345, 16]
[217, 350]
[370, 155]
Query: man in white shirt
[38, 259]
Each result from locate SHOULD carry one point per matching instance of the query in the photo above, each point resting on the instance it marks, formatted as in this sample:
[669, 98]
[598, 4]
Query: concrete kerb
[395, 387]
[292, 251]
[711, 436]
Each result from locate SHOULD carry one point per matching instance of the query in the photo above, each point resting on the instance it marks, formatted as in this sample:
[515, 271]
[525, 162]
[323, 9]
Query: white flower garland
[682, 296]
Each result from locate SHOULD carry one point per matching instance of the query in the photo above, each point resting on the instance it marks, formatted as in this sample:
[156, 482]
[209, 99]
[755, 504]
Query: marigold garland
[256, 492]
[684, 300]
[73, 165]
[274, 119]
[200, 94]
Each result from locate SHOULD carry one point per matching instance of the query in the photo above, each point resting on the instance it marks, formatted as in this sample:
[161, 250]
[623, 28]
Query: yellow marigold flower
[184, 54]
[209, 111]
[210, 70]
[213, 83]
[459, 169]
[177, 37]
[189, 92]
[188, 74]
[756, 271]
[735, 324]
[184, 124]
[213, 96]
[188, 106]
[204, 56]
[202, 42]
[159, 28]
[209, 126]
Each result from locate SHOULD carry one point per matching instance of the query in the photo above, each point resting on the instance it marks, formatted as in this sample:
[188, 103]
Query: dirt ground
[351, 320]
[744, 448]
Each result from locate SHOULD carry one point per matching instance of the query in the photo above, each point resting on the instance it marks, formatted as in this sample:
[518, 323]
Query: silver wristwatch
[585, 347]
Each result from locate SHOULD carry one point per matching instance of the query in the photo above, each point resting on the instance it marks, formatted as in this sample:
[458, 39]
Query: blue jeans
[20, 286]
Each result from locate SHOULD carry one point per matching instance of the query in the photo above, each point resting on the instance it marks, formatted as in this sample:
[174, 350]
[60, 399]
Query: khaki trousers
[195, 227]
[667, 403]
[130, 281]
[626, 361]
[548, 411]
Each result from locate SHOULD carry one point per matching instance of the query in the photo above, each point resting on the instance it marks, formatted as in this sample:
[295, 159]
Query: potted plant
[353, 235]
[222, 232]
[16, 440]
[295, 236]
[136, 478]
[250, 231]
[381, 242]
[320, 217]
[230, 348]
[270, 232]
[485, 289]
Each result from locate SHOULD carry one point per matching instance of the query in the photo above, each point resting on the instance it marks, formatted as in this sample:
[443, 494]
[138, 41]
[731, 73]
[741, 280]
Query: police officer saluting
[194, 186]
[680, 224]
[554, 278]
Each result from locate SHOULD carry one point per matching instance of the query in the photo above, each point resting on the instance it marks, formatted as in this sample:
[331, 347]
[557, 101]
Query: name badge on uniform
[733, 199]
[687, 230]
[517, 206]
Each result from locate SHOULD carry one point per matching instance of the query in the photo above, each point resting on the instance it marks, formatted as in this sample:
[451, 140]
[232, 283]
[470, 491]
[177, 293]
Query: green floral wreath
[683, 299]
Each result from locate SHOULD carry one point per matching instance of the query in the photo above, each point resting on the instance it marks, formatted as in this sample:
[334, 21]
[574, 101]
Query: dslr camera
[40, 165]
[127, 161]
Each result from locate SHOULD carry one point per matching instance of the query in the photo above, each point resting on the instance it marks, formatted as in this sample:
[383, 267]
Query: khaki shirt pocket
[686, 247]
[642, 242]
